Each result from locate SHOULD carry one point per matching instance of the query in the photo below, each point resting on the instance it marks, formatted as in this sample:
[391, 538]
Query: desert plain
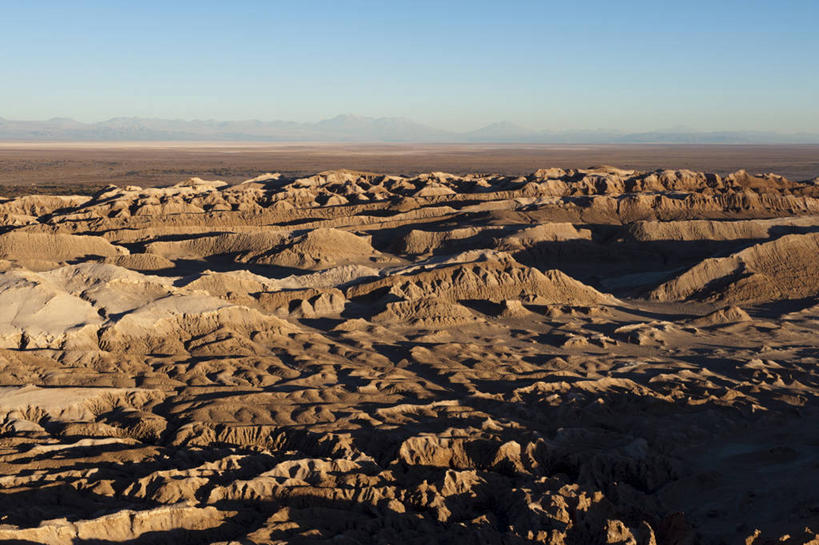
[410, 354]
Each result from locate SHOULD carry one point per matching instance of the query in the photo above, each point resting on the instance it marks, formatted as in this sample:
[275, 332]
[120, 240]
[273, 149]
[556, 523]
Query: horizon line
[681, 130]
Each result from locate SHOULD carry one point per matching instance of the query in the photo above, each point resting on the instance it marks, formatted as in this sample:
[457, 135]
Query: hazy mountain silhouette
[502, 131]
[354, 128]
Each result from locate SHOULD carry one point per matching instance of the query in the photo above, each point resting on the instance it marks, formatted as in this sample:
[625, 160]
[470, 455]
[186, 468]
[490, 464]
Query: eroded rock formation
[574, 356]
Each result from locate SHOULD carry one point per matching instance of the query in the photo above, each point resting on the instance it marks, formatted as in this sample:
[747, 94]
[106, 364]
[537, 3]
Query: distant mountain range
[353, 128]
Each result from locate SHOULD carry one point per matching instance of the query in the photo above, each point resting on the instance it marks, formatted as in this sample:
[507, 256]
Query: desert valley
[592, 355]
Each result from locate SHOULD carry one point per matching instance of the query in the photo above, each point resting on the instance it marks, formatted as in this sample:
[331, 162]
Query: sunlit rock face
[574, 356]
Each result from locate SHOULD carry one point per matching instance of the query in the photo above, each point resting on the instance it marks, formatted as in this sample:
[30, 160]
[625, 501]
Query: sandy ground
[68, 167]
[567, 356]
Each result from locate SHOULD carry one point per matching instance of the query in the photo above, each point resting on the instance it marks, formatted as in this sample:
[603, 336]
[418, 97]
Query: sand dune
[596, 355]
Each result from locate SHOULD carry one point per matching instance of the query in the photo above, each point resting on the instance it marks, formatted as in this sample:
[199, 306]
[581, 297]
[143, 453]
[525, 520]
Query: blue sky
[628, 65]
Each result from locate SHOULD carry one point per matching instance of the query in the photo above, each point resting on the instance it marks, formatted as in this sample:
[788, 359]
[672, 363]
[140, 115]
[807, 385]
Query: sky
[455, 65]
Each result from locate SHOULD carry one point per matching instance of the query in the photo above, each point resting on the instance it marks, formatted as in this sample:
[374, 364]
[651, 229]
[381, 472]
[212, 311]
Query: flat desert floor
[41, 167]
[561, 355]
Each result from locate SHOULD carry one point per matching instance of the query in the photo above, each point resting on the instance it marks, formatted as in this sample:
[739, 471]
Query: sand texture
[574, 356]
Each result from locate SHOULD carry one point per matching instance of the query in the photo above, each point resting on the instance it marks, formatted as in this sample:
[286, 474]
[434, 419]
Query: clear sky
[629, 65]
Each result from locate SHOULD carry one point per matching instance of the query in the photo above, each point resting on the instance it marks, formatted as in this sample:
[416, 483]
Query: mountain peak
[505, 125]
[502, 131]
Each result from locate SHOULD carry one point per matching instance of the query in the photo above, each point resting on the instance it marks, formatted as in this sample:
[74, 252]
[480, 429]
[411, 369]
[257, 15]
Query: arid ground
[542, 355]
[81, 167]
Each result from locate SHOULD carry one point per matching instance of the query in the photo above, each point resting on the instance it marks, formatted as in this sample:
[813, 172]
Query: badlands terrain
[578, 356]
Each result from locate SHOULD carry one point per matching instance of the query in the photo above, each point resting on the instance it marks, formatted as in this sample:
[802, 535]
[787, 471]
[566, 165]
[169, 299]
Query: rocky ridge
[574, 356]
